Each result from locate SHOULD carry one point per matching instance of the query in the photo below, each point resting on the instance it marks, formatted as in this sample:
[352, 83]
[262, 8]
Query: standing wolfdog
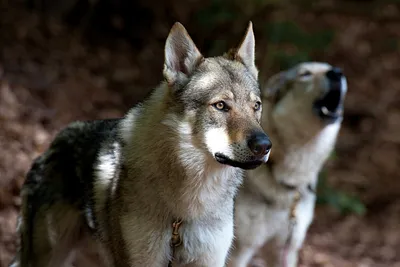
[120, 185]
[302, 113]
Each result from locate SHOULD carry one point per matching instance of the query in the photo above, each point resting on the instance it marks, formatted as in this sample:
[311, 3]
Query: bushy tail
[26, 219]
[27, 224]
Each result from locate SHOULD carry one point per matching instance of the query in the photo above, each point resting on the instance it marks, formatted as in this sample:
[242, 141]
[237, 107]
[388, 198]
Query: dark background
[64, 60]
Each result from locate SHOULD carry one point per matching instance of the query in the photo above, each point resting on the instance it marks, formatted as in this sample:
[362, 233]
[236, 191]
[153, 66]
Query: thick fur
[302, 113]
[114, 187]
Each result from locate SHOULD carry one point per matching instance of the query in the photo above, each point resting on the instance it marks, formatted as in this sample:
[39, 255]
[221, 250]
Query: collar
[176, 239]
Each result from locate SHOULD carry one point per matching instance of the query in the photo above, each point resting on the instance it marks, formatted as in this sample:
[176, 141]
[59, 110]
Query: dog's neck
[161, 153]
[298, 156]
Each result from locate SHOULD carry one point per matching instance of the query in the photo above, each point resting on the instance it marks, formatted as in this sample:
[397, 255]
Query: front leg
[289, 253]
[254, 225]
[146, 242]
[207, 245]
[208, 261]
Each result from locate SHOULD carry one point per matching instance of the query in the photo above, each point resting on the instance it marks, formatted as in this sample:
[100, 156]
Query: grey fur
[304, 133]
[114, 187]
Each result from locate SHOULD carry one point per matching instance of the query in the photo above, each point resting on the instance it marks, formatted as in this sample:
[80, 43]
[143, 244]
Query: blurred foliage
[344, 203]
[289, 44]
[327, 195]
[215, 13]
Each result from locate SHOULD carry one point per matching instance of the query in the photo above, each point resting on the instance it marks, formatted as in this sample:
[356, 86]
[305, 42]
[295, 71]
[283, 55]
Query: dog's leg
[84, 259]
[246, 245]
[69, 226]
[25, 222]
[56, 230]
[252, 229]
[208, 261]
[40, 250]
[216, 253]
[258, 262]
[242, 256]
[286, 255]
[42, 225]
[146, 242]
[35, 247]
[289, 252]
[90, 253]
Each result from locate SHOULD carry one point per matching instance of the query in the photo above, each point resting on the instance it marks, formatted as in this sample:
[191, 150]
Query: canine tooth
[325, 110]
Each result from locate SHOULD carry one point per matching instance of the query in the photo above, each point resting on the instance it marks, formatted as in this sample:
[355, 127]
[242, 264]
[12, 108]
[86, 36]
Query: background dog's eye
[221, 106]
[257, 105]
[305, 73]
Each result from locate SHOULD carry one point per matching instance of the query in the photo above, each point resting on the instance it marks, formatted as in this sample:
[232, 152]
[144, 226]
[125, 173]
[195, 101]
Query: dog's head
[217, 99]
[311, 93]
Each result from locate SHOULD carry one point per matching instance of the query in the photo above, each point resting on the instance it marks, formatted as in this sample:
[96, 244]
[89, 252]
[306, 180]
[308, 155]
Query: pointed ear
[276, 86]
[181, 55]
[246, 51]
[274, 83]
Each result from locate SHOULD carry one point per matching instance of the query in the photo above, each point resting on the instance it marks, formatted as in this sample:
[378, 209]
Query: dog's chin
[248, 165]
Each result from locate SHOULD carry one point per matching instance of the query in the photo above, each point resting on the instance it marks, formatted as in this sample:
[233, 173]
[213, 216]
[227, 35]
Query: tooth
[325, 110]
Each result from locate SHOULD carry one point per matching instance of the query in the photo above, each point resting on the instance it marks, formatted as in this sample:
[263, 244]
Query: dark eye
[257, 106]
[221, 105]
[305, 73]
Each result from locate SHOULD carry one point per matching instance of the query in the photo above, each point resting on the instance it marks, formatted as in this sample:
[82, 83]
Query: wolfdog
[302, 113]
[156, 187]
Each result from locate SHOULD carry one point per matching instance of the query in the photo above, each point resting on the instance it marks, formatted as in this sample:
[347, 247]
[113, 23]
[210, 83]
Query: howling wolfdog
[302, 113]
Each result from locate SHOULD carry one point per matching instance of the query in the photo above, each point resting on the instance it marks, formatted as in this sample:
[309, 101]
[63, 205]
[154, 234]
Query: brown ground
[48, 79]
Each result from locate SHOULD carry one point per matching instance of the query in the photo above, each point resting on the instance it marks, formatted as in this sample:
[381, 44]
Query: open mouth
[330, 106]
[248, 165]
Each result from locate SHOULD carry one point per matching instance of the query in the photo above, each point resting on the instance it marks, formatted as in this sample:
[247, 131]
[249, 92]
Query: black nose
[334, 74]
[259, 144]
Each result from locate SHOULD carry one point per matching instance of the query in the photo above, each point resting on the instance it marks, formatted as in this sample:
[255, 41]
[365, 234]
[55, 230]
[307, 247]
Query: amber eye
[221, 106]
[257, 106]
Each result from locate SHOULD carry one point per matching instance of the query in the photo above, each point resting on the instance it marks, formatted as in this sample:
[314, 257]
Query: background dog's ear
[181, 55]
[246, 51]
[274, 84]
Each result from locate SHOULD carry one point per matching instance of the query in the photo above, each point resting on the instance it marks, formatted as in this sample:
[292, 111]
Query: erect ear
[246, 51]
[181, 55]
[273, 88]
[274, 83]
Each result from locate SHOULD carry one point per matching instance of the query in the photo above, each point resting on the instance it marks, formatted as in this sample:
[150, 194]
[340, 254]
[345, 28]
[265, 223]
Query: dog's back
[68, 166]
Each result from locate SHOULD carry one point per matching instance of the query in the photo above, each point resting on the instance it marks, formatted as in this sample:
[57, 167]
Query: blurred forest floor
[51, 74]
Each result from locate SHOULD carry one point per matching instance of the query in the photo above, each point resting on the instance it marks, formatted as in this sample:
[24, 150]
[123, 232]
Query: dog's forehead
[313, 67]
[224, 75]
